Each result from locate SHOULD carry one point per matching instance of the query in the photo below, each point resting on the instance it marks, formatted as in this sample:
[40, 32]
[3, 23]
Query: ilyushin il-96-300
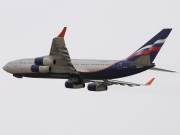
[98, 73]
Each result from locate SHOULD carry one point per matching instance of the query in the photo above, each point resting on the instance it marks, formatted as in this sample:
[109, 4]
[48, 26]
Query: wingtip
[149, 83]
[62, 34]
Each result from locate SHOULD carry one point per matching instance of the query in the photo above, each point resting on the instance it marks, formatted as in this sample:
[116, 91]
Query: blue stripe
[145, 49]
[110, 73]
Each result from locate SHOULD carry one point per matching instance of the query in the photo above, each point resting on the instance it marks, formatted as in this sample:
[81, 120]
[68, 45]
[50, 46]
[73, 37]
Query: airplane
[98, 73]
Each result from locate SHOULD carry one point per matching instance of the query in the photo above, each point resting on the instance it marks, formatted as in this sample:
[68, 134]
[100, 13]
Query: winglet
[149, 83]
[62, 32]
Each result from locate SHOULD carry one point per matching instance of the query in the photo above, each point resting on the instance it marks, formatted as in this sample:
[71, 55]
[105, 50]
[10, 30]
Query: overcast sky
[97, 29]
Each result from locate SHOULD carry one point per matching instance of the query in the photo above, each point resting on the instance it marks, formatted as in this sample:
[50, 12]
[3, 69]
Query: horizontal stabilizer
[164, 70]
[143, 60]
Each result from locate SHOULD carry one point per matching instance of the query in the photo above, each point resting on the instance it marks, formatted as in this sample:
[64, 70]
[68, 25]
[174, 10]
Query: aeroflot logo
[161, 41]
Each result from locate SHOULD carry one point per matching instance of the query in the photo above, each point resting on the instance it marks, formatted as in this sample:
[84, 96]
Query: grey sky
[97, 29]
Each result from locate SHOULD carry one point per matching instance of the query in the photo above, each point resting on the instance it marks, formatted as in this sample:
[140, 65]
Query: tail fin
[152, 47]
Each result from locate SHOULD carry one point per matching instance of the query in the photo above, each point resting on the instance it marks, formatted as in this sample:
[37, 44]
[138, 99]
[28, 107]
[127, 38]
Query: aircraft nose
[5, 67]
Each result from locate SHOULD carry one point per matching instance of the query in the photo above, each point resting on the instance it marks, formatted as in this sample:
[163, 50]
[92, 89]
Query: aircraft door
[119, 65]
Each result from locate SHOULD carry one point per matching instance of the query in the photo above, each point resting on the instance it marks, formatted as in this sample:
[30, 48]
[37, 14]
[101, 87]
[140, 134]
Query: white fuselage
[24, 65]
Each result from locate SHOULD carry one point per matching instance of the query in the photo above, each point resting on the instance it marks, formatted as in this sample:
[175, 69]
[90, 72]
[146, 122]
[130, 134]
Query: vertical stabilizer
[152, 47]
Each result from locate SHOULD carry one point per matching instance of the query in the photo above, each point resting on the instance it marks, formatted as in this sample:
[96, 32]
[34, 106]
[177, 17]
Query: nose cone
[5, 67]
[8, 67]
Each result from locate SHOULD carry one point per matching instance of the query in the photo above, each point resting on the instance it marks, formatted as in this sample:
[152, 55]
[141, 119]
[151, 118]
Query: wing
[60, 52]
[116, 82]
[58, 45]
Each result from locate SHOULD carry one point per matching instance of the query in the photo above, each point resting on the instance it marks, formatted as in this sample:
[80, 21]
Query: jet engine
[43, 61]
[97, 87]
[71, 85]
[40, 69]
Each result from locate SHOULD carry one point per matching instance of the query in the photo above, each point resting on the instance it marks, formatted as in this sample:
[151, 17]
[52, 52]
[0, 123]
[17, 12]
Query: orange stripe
[26, 73]
[155, 48]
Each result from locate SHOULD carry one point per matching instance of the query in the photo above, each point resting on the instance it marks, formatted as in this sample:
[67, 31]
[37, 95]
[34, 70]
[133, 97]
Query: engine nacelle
[96, 87]
[43, 61]
[40, 69]
[71, 85]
